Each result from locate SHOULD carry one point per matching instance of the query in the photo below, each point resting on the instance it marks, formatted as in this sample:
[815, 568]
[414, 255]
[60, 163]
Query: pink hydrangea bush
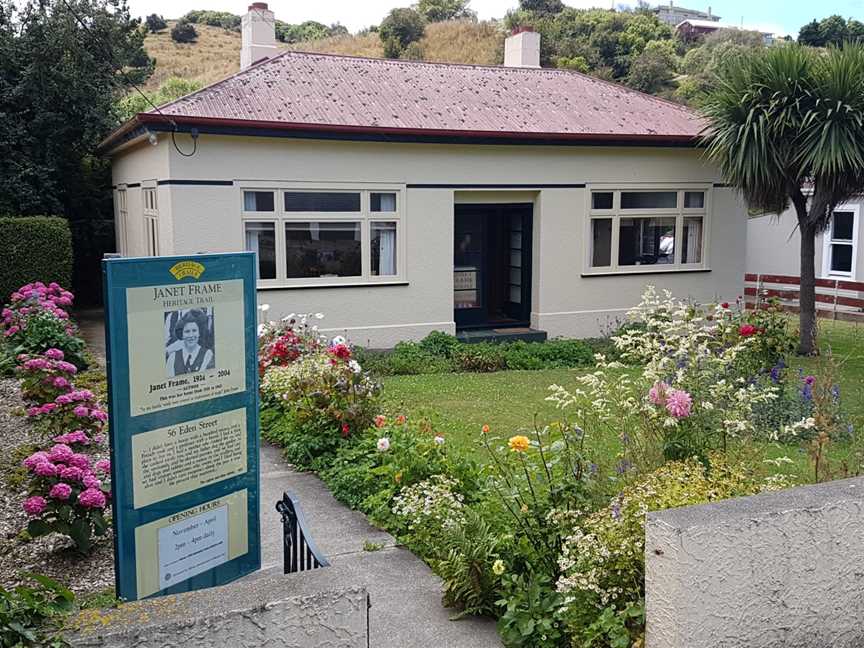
[77, 409]
[45, 376]
[32, 299]
[69, 490]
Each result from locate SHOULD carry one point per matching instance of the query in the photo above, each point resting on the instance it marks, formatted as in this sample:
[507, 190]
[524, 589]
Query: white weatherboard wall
[778, 570]
[564, 303]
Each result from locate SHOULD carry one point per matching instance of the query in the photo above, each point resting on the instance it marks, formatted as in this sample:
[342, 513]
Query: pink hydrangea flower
[78, 436]
[657, 394]
[12, 330]
[35, 505]
[99, 415]
[60, 491]
[81, 411]
[45, 469]
[54, 354]
[79, 461]
[99, 439]
[60, 453]
[678, 403]
[92, 498]
[63, 399]
[102, 466]
[66, 367]
[35, 458]
[60, 382]
[91, 481]
[71, 473]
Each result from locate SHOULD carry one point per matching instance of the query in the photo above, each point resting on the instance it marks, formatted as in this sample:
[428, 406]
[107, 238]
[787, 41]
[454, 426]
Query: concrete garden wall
[776, 570]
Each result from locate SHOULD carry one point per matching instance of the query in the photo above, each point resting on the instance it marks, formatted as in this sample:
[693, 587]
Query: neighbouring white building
[401, 197]
[774, 242]
[674, 15]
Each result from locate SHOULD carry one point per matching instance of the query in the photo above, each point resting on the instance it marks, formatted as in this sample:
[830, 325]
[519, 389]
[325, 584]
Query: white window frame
[150, 210]
[828, 241]
[122, 222]
[279, 217]
[616, 213]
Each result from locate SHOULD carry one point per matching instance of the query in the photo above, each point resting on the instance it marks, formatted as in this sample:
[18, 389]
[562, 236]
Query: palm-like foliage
[787, 125]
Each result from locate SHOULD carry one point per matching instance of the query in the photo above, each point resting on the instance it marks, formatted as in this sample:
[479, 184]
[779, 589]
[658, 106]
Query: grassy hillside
[216, 54]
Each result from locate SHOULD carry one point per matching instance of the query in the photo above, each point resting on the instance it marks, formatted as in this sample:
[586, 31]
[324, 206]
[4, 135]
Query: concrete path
[405, 595]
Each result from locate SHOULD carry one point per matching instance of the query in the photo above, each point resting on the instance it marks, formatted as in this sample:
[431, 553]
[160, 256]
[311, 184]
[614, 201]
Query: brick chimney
[258, 35]
[522, 48]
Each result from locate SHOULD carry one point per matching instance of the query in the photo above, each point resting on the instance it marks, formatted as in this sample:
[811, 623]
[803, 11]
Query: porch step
[473, 336]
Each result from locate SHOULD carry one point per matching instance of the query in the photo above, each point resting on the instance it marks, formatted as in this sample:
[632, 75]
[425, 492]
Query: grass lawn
[460, 404]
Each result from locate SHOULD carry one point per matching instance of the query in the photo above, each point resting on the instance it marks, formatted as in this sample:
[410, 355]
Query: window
[647, 230]
[122, 222]
[151, 221]
[841, 243]
[261, 239]
[324, 237]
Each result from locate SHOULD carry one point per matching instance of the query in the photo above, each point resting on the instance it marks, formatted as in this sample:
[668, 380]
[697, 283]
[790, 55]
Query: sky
[777, 16]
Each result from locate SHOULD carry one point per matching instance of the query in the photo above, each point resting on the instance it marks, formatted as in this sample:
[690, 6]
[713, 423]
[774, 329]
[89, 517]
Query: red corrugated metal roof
[333, 93]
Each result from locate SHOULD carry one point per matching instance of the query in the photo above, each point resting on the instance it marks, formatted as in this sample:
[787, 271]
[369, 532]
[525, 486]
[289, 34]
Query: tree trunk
[807, 294]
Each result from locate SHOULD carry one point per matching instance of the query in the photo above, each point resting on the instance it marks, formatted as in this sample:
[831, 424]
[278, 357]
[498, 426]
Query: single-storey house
[403, 197]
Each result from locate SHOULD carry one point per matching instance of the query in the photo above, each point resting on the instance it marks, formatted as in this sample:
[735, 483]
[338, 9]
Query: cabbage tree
[786, 125]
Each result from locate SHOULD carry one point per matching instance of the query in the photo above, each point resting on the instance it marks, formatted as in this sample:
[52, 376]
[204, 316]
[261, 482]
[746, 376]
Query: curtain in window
[249, 202]
[388, 202]
[387, 251]
[252, 244]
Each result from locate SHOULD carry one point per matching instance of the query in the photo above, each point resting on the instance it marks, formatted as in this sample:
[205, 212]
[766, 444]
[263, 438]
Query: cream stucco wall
[207, 218]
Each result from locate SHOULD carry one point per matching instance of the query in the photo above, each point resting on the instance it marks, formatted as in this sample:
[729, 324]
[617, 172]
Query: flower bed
[543, 535]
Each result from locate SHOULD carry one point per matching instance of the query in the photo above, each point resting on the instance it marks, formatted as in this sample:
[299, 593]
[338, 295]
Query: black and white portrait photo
[189, 341]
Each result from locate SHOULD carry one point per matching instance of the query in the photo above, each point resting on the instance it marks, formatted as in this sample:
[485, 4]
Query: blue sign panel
[183, 396]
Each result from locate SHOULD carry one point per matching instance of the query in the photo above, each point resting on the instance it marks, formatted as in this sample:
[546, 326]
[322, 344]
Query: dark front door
[492, 265]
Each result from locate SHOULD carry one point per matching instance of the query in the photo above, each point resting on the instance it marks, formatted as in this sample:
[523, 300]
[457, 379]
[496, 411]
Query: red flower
[746, 330]
[724, 305]
[346, 430]
[341, 351]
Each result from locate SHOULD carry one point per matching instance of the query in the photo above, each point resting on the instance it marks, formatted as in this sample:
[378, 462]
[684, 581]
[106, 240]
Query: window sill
[367, 284]
[618, 273]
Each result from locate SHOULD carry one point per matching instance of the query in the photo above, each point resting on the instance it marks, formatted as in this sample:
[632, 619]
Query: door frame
[499, 212]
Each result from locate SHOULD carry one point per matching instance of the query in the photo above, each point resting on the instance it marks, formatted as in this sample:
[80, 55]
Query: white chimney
[259, 35]
[522, 49]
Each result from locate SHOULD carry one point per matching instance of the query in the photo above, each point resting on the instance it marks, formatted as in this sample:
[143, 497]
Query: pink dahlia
[92, 498]
[60, 491]
[657, 394]
[35, 505]
[678, 403]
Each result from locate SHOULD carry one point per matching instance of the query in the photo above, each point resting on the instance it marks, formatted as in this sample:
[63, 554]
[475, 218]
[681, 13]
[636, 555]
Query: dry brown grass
[216, 54]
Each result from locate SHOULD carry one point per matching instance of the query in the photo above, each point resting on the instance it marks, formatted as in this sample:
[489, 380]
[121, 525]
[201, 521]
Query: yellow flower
[518, 443]
[498, 567]
[398, 477]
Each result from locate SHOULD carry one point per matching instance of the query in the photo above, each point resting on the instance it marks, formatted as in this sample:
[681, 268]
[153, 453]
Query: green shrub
[26, 613]
[35, 248]
[184, 32]
[440, 343]
[553, 354]
[483, 357]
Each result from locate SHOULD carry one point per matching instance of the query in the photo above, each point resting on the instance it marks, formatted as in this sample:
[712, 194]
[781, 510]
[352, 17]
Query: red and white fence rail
[835, 298]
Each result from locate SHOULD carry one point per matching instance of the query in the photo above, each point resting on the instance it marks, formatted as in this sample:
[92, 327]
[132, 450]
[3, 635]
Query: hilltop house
[401, 197]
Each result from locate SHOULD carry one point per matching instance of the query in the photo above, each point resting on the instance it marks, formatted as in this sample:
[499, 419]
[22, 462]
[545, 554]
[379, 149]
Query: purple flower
[775, 373]
[810, 380]
[102, 466]
[99, 415]
[806, 392]
[35, 458]
[92, 498]
[63, 399]
[54, 354]
[60, 382]
[79, 461]
[60, 453]
[60, 491]
[622, 467]
[66, 367]
[45, 469]
[71, 473]
[81, 411]
[35, 505]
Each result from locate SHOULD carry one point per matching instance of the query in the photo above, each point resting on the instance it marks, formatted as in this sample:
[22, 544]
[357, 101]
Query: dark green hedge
[34, 248]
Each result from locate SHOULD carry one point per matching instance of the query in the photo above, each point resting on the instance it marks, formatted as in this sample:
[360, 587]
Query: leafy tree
[222, 19]
[703, 63]
[58, 86]
[440, 10]
[784, 123]
[811, 34]
[654, 69]
[306, 31]
[171, 89]
[155, 23]
[833, 30]
[542, 6]
[399, 28]
[184, 32]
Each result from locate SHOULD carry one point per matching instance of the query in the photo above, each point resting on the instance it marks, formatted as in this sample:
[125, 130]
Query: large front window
[647, 229]
[309, 237]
